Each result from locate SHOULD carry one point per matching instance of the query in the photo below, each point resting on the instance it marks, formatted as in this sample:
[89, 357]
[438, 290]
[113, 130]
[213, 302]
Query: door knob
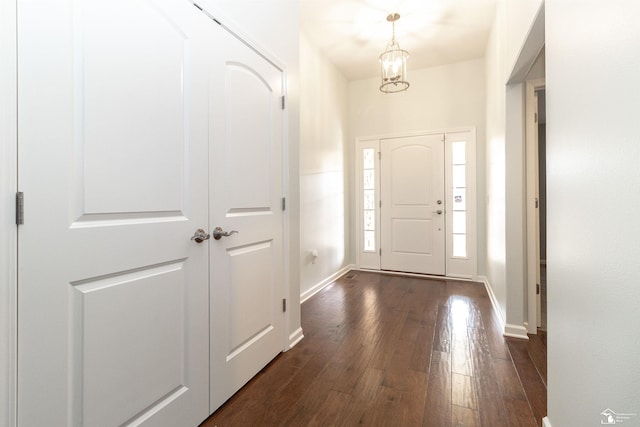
[219, 233]
[439, 212]
[200, 235]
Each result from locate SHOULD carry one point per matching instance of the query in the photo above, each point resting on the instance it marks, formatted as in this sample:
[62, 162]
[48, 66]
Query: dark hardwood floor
[383, 350]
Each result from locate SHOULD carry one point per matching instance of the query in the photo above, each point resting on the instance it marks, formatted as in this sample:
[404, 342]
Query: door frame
[452, 268]
[532, 211]
[8, 228]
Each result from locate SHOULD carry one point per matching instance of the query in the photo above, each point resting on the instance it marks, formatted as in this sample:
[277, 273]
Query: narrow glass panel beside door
[368, 165]
[459, 184]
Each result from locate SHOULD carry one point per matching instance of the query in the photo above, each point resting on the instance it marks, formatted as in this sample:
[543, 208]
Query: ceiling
[353, 33]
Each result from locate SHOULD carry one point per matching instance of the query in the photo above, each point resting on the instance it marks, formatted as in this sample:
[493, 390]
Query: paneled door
[413, 204]
[113, 162]
[246, 204]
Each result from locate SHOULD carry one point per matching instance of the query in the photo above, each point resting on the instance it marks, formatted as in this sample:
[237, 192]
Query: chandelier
[393, 63]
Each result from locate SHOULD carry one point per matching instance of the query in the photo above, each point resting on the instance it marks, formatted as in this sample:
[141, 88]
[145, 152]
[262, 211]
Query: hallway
[389, 350]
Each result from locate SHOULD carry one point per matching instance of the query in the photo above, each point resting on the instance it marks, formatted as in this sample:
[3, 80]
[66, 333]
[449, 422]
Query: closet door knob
[200, 235]
[218, 233]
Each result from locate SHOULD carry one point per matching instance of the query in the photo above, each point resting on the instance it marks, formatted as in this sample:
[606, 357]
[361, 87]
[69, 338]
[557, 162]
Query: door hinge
[537, 203]
[284, 305]
[537, 288]
[284, 203]
[19, 208]
[380, 203]
[380, 251]
[282, 102]
[535, 117]
[379, 155]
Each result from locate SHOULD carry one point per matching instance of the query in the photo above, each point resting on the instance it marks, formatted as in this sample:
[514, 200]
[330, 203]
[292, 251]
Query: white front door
[245, 197]
[413, 204]
[113, 135]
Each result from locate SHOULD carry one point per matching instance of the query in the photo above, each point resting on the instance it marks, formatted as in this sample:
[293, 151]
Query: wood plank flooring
[383, 350]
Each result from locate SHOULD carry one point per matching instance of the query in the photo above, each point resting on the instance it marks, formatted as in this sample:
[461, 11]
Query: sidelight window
[369, 198]
[459, 192]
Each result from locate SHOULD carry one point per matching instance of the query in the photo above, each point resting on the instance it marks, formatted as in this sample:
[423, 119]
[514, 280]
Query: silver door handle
[439, 212]
[218, 233]
[200, 235]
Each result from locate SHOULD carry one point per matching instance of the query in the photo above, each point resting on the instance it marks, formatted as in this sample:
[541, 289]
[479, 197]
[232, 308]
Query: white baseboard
[295, 338]
[546, 422]
[494, 300]
[515, 331]
[320, 286]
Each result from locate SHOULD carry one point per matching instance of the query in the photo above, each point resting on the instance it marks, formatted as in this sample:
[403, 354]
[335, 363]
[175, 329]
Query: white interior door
[413, 204]
[113, 134]
[245, 196]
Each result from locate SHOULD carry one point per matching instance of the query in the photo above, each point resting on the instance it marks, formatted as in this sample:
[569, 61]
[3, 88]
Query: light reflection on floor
[460, 310]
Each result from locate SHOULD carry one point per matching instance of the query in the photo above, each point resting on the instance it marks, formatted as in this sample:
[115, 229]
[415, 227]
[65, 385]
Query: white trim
[366, 259]
[286, 218]
[467, 266]
[304, 296]
[416, 133]
[546, 422]
[295, 338]
[8, 229]
[218, 15]
[515, 331]
[494, 300]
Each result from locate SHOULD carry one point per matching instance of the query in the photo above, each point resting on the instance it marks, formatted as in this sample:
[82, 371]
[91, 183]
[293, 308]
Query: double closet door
[140, 123]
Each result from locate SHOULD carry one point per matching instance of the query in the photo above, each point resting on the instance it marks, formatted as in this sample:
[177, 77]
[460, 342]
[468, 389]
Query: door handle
[200, 235]
[439, 212]
[218, 233]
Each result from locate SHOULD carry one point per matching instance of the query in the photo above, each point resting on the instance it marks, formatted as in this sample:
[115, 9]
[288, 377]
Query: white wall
[323, 180]
[445, 97]
[8, 186]
[504, 161]
[593, 177]
[273, 26]
[495, 162]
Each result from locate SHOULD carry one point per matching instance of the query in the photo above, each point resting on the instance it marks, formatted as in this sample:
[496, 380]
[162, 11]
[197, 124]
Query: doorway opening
[536, 205]
[542, 194]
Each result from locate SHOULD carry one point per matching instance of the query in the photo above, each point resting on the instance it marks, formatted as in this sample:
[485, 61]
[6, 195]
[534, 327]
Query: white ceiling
[353, 33]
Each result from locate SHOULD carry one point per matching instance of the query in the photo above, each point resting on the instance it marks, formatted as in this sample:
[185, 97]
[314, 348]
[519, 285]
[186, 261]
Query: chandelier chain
[393, 32]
